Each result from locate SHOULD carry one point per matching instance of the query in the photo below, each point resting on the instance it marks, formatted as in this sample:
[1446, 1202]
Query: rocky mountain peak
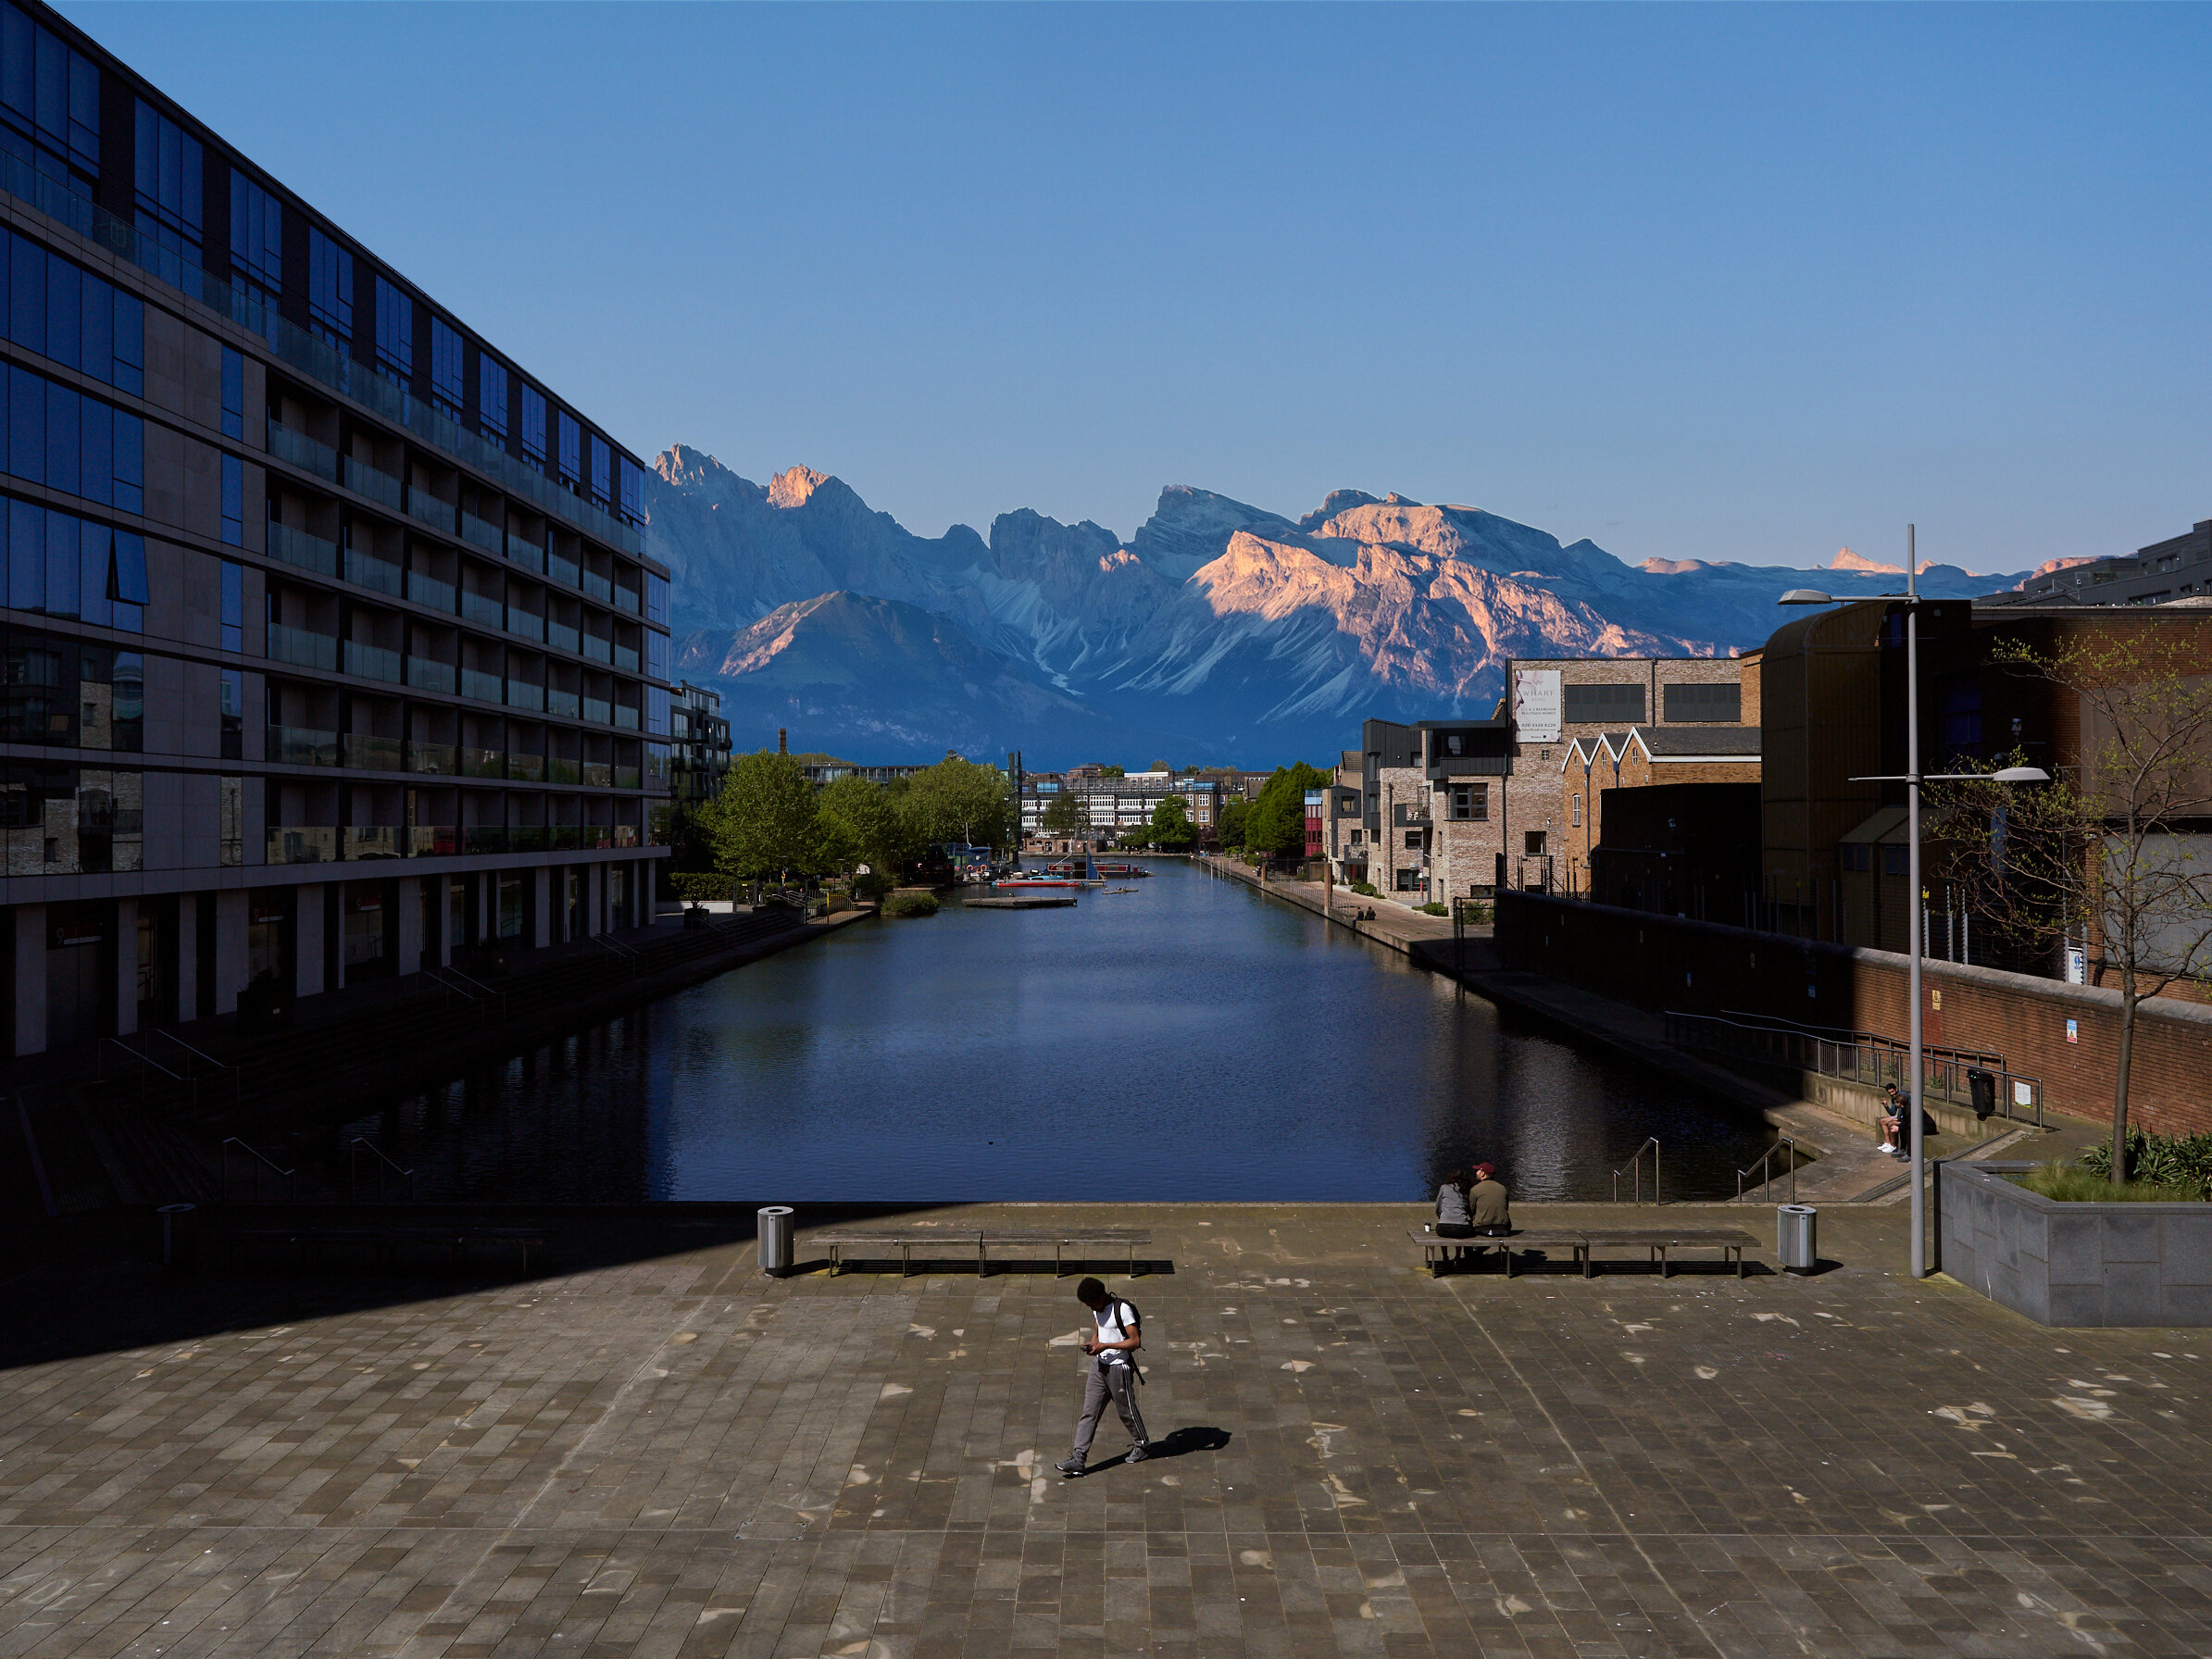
[689, 469]
[794, 486]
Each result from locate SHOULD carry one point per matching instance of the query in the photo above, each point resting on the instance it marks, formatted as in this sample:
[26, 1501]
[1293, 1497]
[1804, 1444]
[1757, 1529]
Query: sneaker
[1072, 1467]
[1135, 1455]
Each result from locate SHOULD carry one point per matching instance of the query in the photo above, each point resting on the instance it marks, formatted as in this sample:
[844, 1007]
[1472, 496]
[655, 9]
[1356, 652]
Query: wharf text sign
[1536, 706]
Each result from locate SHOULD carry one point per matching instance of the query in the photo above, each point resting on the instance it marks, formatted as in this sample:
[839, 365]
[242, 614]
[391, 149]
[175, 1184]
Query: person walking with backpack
[1113, 1347]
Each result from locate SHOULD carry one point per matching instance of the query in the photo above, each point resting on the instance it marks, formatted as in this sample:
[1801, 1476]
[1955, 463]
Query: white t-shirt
[1115, 1321]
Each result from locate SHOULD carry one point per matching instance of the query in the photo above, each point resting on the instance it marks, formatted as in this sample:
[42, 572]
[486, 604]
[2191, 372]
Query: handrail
[361, 1144]
[1765, 1174]
[1634, 1168]
[215, 1067]
[606, 942]
[258, 1162]
[145, 1060]
[1858, 1056]
[456, 979]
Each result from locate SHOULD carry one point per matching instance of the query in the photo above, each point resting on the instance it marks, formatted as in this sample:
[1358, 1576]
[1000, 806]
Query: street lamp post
[1912, 778]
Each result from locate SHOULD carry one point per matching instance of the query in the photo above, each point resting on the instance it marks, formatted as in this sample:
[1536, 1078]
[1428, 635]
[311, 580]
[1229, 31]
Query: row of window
[66, 566]
[71, 694]
[49, 96]
[1687, 702]
[62, 820]
[76, 445]
[59, 310]
[1859, 856]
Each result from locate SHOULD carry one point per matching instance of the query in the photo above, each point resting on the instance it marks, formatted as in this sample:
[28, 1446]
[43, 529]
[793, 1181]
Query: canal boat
[1063, 874]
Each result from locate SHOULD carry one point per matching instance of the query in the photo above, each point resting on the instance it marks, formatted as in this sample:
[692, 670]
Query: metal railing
[190, 1071]
[628, 956]
[380, 1165]
[1866, 1057]
[1762, 1167]
[198, 1067]
[1634, 1169]
[256, 1162]
[456, 983]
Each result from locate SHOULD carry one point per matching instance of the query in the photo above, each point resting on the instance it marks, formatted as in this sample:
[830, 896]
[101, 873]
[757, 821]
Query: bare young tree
[2116, 852]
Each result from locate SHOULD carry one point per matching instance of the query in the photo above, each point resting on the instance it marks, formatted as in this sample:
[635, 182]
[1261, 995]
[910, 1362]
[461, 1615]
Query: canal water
[1187, 1039]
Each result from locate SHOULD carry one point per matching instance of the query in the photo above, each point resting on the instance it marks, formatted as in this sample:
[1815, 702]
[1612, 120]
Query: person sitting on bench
[1452, 1219]
[1493, 1206]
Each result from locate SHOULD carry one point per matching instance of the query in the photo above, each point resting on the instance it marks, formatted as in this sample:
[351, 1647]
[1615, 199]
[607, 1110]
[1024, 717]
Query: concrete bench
[845, 1241]
[1437, 1251]
[1585, 1243]
[1730, 1241]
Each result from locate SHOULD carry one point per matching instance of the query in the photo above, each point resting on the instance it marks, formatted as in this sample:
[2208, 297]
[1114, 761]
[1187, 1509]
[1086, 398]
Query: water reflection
[1187, 1040]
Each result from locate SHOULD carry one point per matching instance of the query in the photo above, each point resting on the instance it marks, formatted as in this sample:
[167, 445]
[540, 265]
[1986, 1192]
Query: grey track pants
[1118, 1381]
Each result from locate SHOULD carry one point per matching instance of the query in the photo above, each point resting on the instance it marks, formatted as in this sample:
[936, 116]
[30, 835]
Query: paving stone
[676, 1456]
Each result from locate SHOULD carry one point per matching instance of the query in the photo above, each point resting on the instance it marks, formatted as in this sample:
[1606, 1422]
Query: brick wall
[1701, 967]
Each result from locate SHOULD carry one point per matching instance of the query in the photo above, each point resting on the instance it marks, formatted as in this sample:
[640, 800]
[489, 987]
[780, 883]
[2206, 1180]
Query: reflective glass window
[491, 396]
[533, 423]
[234, 602]
[62, 287]
[657, 598]
[96, 325]
[130, 462]
[394, 330]
[27, 295]
[61, 437]
[95, 451]
[49, 93]
[571, 451]
[128, 578]
[94, 601]
[26, 424]
[634, 490]
[329, 288]
[447, 386]
[233, 513]
[26, 555]
[62, 538]
[256, 237]
[603, 470]
[129, 344]
[233, 394]
[165, 184]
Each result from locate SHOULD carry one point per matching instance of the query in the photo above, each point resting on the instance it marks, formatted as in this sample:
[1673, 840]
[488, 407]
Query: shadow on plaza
[94, 1282]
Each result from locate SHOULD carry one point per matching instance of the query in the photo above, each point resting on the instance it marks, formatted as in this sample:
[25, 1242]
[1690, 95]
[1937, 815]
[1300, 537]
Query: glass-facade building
[331, 649]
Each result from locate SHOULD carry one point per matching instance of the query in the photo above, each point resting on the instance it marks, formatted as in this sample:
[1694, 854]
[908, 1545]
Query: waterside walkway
[666, 1455]
[1850, 1165]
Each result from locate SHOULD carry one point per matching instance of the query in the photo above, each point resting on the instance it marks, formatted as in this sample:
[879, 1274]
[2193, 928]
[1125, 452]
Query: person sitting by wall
[1895, 1122]
[1452, 1219]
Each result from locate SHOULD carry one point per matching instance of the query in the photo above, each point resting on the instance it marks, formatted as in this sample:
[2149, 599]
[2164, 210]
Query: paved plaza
[672, 1456]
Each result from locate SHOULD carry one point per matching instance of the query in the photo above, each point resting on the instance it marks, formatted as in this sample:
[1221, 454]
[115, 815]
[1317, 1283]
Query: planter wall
[2073, 1264]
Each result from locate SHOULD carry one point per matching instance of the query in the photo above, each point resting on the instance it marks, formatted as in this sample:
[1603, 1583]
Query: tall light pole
[1912, 779]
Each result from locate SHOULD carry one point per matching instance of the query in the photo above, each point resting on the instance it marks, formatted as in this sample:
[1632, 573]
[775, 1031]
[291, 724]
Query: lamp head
[2020, 774]
[1806, 596]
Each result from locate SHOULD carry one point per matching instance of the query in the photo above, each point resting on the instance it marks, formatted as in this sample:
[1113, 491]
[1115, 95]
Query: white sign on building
[1536, 706]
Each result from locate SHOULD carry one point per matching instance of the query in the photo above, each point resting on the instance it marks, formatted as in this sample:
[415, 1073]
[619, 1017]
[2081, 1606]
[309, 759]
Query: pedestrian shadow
[1183, 1441]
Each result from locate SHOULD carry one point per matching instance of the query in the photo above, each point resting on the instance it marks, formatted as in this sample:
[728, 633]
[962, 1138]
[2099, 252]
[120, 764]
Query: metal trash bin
[1796, 1236]
[776, 1239]
[1982, 1088]
[179, 1247]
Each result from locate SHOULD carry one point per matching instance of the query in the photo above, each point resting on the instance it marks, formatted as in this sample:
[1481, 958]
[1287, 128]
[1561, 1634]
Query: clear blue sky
[1717, 282]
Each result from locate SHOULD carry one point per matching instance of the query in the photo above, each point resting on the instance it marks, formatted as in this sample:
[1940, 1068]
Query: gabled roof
[1699, 742]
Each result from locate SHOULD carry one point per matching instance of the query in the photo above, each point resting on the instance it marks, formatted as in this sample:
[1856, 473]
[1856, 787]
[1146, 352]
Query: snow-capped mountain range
[1219, 633]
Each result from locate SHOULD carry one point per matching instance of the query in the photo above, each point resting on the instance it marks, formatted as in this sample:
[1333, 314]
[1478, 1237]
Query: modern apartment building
[699, 755]
[1114, 805]
[331, 647]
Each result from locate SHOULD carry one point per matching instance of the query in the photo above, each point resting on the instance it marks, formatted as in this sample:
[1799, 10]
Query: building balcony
[483, 838]
[303, 844]
[522, 693]
[437, 759]
[433, 840]
[296, 449]
[523, 625]
[425, 508]
[483, 763]
[563, 771]
[530, 555]
[364, 479]
[485, 688]
[486, 535]
[598, 774]
[562, 703]
[483, 609]
[297, 548]
[299, 746]
[428, 590]
[366, 570]
[374, 754]
[303, 649]
[373, 662]
[427, 675]
[374, 841]
[525, 768]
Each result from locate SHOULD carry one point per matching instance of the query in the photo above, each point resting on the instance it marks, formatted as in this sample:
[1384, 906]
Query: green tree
[1171, 823]
[1066, 813]
[870, 820]
[1277, 823]
[760, 822]
[957, 801]
[1235, 812]
[2109, 853]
